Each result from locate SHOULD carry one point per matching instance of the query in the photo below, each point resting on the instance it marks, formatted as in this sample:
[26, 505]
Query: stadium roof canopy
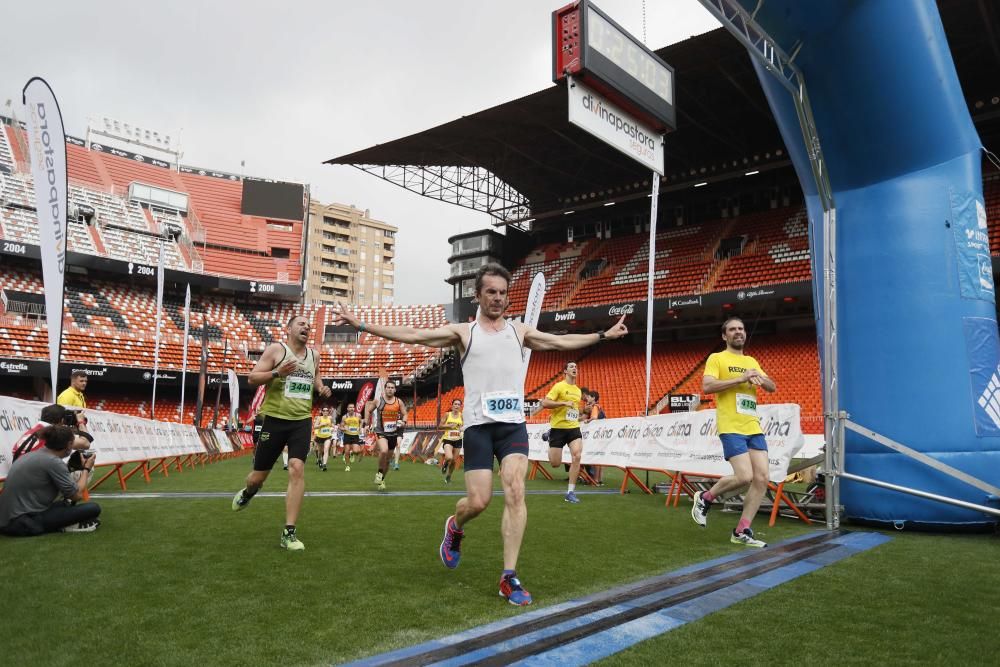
[523, 159]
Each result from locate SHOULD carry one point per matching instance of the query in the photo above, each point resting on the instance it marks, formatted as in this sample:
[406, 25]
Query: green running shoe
[291, 541]
[239, 504]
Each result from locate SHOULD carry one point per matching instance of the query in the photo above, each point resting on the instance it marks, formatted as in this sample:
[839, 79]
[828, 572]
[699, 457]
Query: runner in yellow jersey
[350, 426]
[734, 377]
[564, 402]
[322, 434]
[452, 439]
[291, 372]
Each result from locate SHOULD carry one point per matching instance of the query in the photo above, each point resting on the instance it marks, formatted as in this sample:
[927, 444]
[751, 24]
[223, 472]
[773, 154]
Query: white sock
[570, 488]
[284, 457]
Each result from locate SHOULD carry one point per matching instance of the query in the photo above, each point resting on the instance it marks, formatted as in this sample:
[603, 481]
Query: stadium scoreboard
[589, 46]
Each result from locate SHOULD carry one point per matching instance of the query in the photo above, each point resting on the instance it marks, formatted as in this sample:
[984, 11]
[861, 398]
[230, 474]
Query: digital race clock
[589, 46]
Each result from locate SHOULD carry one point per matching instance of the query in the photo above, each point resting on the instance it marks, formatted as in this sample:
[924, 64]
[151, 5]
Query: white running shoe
[699, 511]
[746, 538]
[83, 527]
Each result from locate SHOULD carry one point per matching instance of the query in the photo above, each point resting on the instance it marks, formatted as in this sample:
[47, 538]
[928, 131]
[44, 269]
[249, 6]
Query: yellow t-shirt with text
[565, 417]
[71, 398]
[324, 427]
[737, 406]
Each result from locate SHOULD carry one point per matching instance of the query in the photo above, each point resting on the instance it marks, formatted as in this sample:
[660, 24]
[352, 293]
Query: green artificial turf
[182, 581]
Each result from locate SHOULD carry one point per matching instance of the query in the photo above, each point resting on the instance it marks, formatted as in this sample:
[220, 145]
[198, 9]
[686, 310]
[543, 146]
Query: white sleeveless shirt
[493, 370]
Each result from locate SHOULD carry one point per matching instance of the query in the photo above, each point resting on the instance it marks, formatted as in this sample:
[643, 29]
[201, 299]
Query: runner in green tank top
[291, 372]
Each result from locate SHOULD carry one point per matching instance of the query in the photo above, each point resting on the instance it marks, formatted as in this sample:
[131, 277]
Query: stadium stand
[682, 264]
[111, 324]
[237, 245]
[559, 262]
[6, 154]
[777, 250]
[614, 271]
[426, 411]
[991, 195]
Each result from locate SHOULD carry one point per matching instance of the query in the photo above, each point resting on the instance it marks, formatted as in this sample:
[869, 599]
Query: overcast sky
[286, 87]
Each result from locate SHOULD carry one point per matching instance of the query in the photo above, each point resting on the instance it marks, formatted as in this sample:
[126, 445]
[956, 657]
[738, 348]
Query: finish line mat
[583, 631]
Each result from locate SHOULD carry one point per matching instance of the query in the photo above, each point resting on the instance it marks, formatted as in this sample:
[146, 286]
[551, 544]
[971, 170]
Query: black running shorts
[483, 442]
[455, 444]
[275, 435]
[258, 423]
[392, 439]
[352, 439]
[559, 437]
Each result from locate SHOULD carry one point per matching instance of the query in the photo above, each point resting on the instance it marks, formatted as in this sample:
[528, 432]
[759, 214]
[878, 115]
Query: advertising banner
[536, 295]
[117, 438]
[687, 442]
[597, 115]
[972, 246]
[47, 150]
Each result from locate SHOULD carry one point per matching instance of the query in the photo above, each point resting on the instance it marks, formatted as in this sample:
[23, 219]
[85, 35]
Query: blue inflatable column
[918, 345]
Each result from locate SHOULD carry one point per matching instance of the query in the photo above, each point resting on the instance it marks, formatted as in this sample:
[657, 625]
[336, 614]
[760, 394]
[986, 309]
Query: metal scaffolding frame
[475, 188]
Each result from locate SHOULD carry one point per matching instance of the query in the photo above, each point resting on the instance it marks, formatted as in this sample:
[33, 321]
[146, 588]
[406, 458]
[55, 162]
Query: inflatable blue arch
[917, 331]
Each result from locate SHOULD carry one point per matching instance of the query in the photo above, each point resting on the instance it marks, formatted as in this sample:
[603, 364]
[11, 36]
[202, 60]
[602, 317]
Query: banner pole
[159, 313]
[184, 360]
[218, 394]
[650, 283]
[437, 418]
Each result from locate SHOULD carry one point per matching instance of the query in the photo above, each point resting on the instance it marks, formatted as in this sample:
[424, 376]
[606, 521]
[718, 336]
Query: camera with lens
[70, 419]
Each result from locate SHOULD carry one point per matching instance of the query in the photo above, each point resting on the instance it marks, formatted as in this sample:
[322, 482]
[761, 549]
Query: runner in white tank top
[491, 349]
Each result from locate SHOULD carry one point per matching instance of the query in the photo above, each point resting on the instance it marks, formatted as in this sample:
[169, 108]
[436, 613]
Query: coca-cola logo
[623, 309]
[562, 317]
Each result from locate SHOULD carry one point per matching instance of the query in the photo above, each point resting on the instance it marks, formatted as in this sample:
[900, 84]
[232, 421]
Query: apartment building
[350, 256]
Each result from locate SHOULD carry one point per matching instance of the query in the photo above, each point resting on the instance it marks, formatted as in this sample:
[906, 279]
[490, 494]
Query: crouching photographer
[39, 495]
[57, 415]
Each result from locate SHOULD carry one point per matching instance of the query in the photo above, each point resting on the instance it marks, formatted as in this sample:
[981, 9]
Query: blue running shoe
[571, 497]
[451, 546]
[511, 589]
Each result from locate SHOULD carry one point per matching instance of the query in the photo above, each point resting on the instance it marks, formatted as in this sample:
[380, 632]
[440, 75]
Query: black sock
[290, 528]
[249, 493]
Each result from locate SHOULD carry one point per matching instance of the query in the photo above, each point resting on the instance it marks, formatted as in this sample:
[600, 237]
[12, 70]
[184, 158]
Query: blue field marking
[621, 636]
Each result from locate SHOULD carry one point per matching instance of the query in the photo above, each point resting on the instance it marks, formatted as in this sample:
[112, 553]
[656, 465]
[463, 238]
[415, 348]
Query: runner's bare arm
[369, 406]
[539, 340]
[262, 370]
[760, 379]
[445, 336]
[318, 385]
[713, 385]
